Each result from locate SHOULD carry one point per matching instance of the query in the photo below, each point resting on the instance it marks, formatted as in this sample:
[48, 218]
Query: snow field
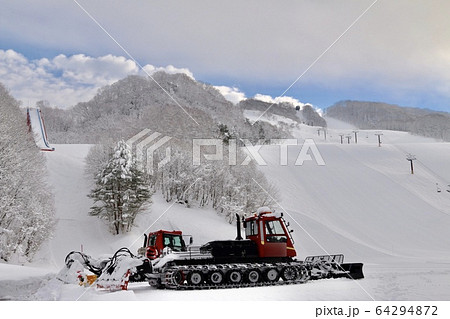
[363, 203]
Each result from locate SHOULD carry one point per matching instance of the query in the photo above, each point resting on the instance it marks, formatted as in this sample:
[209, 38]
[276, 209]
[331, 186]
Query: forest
[26, 201]
[383, 116]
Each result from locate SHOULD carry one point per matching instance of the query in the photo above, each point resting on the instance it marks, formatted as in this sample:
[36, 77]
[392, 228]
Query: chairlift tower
[411, 158]
[356, 136]
[349, 137]
[379, 138]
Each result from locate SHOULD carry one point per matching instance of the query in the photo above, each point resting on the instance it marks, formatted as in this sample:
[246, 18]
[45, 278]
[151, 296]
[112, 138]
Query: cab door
[273, 238]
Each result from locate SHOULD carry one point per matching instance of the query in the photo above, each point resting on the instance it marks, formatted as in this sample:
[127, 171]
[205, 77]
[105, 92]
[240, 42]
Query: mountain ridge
[172, 104]
[384, 116]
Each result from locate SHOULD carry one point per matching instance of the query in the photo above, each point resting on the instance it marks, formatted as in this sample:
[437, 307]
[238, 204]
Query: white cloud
[150, 69]
[286, 99]
[396, 48]
[103, 70]
[67, 80]
[232, 94]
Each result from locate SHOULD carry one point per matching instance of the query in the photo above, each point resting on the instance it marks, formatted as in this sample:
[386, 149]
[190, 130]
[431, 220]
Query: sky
[304, 51]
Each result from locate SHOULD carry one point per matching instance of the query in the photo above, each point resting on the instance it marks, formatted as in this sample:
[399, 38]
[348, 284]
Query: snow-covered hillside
[363, 202]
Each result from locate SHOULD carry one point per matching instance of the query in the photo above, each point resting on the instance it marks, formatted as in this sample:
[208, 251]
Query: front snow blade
[353, 271]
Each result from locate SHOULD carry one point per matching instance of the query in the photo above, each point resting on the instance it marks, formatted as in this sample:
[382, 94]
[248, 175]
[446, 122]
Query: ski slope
[363, 203]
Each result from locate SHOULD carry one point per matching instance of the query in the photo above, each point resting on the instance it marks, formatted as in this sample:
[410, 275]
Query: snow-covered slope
[76, 230]
[364, 203]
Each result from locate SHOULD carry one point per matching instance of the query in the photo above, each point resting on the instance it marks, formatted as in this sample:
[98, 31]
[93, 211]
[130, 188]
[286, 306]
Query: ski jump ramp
[37, 127]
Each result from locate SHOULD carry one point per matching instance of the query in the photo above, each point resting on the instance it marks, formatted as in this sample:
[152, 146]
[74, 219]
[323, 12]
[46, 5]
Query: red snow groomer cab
[270, 233]
[155, 242]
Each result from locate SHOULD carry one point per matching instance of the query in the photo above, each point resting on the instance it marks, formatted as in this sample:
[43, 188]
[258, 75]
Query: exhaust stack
[238, 227]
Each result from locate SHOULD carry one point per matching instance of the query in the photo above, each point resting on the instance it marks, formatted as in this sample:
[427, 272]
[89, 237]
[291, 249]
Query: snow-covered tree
[230, 207]
[229, 189]
[26, 203]
[121, 190]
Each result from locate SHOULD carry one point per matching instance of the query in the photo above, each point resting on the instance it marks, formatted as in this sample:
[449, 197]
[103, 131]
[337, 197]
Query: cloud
[396, 48]
[282, 99]
[103, 70]
[232, 94]
[150, 69]
[67, 80]
[285, 99]
[64, 81]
